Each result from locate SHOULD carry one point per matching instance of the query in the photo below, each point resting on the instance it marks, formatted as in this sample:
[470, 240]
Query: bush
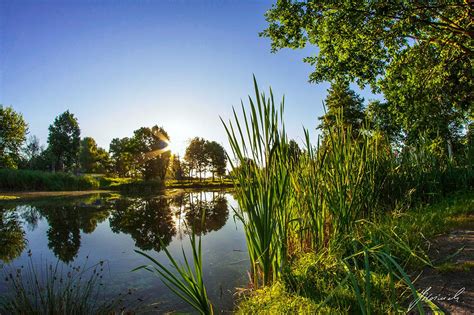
[27, 180]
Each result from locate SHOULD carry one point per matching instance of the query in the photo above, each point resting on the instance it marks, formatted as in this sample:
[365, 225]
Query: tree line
[144, 155]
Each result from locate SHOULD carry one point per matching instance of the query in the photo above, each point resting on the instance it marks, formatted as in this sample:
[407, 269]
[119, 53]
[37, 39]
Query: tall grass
[316, 203]
[188, 283]
[56, 289]
[260, 148]
[28, 180]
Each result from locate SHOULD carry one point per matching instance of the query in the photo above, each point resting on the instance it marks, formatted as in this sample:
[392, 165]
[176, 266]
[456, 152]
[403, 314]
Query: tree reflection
[196, 206]
[12, 235]
[66, 222]
[149, 221]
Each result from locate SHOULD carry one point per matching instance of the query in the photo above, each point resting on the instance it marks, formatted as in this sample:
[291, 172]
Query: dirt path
[451, 284]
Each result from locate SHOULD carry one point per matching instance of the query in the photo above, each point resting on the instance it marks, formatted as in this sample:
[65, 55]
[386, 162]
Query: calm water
[110, 227]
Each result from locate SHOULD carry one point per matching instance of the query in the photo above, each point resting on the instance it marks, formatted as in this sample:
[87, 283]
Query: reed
[261, 169]
[54, 288]
[187, 280]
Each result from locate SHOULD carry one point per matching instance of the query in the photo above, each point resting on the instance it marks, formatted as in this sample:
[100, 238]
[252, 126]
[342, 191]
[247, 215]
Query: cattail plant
[261, 168]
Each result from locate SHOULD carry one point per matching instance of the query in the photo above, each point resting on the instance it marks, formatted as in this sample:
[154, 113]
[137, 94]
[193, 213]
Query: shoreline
[25, 195]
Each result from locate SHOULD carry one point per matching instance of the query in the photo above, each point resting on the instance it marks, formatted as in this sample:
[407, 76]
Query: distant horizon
[119, 66]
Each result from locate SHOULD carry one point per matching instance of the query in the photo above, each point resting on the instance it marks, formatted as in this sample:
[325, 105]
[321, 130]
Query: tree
[64, 141]
[13, 129]
[176, 168]
[216, 158]
[196, 156]
[341, 98]
[92, 158]
[32, 150]
[294, 152]
[150, 150]
[122, 157]
[418, 54]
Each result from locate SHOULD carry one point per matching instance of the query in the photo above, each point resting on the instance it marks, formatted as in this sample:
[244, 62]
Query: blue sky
[121, 65]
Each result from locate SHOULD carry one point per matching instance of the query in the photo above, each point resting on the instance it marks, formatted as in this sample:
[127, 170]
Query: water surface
[110, 227]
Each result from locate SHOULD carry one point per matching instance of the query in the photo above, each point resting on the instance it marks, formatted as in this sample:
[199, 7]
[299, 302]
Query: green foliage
[122, 157]
[27, 180]
[362, 280]
[12, 235]
[149, 150]
[32, 152]
[341, 98]
[188, 283]
[176, 168]
[418, 54]
[262, 186]
[92, 159]
[143, 155]
[196, 156]
[13, 129]
[54, 289]
[203, 155]
[217, 158]
[331, 202]
[64, 141]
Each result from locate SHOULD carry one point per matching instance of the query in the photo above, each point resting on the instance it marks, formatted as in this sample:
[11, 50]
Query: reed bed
[54, 288]
[326, 200]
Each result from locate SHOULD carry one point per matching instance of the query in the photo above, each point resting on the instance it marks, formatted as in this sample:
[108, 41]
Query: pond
[109, 227]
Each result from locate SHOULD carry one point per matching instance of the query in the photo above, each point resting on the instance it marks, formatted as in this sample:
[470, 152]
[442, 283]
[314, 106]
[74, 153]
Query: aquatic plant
[54, 288]
[188, 283]
[260, 147]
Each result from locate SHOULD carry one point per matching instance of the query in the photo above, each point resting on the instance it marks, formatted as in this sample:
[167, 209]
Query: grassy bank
[332, 225]
[34, 181]
[195, 183]
[312, 281]
[28, 180]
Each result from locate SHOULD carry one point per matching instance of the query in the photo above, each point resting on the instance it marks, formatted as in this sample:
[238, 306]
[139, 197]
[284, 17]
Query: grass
[56, 289]
[6, 197]
[186, 280]
[195, 183]
[465, 266]
[333, 200]
[313, 277]
[28, 180]
[260, 148]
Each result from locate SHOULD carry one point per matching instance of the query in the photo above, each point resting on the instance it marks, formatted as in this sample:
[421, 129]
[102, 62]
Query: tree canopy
[341, 98]
[13, 129]
[64, 141]
[145, 154]
[203, 155]
[418, 54]
[92, 158]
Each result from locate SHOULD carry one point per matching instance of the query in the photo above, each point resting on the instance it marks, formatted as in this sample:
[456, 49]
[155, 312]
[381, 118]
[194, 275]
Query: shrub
[28, 180]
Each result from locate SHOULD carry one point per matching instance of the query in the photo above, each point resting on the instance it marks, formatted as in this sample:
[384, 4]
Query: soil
[451, 289]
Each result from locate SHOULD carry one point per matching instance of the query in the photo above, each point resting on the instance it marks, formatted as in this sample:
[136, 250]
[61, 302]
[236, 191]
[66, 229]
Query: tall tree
[123, 163]
[150, 150]
[196, 156]
[32, 151]
[13, 129]
[92, 158]
[419, 54]
[176, 168]
[64, 141]
[216, 158]
[341, 98]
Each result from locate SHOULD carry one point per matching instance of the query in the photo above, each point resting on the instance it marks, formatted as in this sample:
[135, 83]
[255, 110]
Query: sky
[122, 65]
